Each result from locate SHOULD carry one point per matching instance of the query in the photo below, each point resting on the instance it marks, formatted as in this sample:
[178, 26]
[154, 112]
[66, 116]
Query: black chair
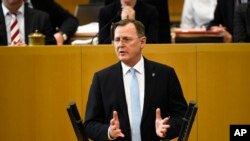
[87, 13]
[188, 121]
[76, 122]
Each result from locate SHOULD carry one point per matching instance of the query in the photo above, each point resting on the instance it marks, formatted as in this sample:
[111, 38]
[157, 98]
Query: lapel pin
[153, 74]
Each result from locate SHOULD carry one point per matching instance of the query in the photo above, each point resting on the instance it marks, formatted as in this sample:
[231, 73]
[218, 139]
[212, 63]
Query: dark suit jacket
[224, 14]
[59, 17]
[242, 23]
[33, 20]
[145, 13]
[162, 90]
[164, 22]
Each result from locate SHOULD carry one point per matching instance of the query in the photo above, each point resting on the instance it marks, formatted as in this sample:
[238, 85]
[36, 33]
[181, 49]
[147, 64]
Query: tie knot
[132, 71]
[13, 14]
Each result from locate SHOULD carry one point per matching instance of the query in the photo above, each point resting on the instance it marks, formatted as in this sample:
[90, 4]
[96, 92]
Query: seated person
[197, 13]
[242, 23]
[128, 9]
[64, 23]
[223, 19]
[28, 21]
[164, 22]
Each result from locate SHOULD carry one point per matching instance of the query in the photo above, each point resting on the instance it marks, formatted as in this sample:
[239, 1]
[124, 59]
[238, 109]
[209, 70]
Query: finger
[115, 115]
[165, 120]
[165, 126]
[158, 113]
[119, 133]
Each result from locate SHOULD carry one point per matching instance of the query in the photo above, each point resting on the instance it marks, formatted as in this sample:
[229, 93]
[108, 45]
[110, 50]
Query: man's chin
[123, 58]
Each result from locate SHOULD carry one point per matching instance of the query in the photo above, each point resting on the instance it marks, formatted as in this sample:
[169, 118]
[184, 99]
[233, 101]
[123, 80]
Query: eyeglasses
[124, 39]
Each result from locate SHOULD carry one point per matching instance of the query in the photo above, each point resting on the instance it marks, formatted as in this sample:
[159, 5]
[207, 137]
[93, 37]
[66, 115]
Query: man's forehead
[129, 28]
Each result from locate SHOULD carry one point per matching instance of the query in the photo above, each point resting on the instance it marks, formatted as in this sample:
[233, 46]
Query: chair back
[86, 13]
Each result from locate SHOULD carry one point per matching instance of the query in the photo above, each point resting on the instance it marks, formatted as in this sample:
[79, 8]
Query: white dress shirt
[140, 74]
[197, 13]
[20, 19]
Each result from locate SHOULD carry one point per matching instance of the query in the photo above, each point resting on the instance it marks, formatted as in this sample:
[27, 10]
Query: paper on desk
[92, 27]
[85, 41]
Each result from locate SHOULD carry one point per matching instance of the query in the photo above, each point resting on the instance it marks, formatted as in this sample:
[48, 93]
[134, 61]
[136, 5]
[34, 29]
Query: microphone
[106, 25]
[187, 122]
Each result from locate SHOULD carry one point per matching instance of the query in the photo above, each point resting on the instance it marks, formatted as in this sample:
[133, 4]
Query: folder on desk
[197, 36]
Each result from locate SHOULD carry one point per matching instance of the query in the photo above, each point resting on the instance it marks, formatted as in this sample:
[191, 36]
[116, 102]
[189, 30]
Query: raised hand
[161, 126]
[114, 127]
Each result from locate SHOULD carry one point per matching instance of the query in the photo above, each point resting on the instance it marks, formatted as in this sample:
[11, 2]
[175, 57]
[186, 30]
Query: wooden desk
[37, 83]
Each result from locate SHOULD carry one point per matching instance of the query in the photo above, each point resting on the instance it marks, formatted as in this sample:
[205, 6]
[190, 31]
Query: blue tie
[135, 107]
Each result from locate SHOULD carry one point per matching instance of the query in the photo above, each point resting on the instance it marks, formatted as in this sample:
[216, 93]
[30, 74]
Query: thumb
[115, 115]
[158, 113]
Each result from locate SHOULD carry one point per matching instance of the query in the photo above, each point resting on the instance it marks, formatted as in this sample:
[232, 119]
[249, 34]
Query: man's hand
[59, 38]
[227, 37]
[114, 127]
[19, 43]
[127, 13]
[161, 126]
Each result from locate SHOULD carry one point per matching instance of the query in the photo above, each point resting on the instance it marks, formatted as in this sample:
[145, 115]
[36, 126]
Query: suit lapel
[150, 78]
[27, 16]
[3, 31]
[121, 98]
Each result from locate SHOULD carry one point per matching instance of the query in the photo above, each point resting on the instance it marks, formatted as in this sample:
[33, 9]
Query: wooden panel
[175, 10]
[70, 5]
[223, 89]
[36, 85]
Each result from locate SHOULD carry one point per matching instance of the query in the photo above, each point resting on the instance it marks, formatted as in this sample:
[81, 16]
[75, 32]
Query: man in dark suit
[32, 20]
[242, 23]
[109, 108]
[64, 23]
[223, 15]
[223, 18]
[132, 9]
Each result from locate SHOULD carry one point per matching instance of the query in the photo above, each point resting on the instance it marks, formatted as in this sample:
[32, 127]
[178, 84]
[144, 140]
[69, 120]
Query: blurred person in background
[164, 21]
[128, 9]
[17, 21]
[63, 22]
[242, 23]
[224, 18]
[197, 13]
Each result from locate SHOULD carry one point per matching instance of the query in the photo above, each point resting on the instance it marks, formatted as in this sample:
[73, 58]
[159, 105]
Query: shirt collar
[139, 67]
[6, 10]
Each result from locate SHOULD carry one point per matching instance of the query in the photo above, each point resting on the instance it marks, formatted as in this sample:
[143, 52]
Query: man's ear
[143, 41]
